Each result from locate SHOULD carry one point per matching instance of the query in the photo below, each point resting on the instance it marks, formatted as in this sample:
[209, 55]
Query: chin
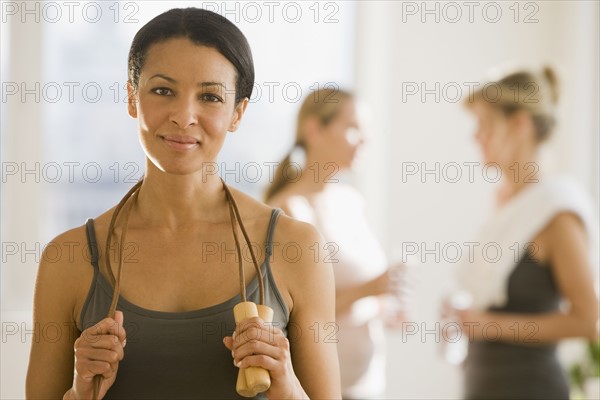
[178, 168]
[491, 160]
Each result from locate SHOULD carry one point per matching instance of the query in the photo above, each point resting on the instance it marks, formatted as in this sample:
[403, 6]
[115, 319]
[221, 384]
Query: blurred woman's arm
[346, 296]
[565, 242]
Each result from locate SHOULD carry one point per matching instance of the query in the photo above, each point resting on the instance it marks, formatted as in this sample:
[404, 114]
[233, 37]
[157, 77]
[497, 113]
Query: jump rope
[251, 380]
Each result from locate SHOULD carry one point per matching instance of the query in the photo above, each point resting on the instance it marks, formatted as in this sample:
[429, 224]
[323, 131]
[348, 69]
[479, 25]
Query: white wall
[395, 47]
[19, 224]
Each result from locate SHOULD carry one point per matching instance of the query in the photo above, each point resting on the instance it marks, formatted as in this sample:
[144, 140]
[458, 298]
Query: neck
[175, 202]
[518, 175]
[317, 174]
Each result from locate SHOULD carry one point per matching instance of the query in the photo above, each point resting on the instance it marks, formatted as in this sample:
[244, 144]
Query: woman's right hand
[380, 285]
[393, 280]
[98, 351]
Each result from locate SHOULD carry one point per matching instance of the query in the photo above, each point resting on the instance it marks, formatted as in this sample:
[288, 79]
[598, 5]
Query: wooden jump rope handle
[252, 380]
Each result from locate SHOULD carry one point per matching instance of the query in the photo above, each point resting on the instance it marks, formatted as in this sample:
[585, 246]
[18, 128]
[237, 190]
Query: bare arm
[50, 371]
[314, 347]
[567, 252]
[345, 297]
[304, 364]
[63, 366]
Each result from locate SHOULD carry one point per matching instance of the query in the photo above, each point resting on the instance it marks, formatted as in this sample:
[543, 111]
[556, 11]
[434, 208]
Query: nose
[184, 113]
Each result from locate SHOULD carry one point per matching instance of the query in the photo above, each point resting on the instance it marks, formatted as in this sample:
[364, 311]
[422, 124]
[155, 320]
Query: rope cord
[236, 221]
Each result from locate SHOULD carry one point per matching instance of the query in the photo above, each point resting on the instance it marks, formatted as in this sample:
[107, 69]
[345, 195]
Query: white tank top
[356, 257]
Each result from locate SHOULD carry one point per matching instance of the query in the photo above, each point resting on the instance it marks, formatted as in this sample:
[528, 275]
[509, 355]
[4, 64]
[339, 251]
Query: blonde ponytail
[552, 79]
[279, 179]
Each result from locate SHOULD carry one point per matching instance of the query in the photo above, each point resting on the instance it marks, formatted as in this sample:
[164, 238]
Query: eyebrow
[203, 84]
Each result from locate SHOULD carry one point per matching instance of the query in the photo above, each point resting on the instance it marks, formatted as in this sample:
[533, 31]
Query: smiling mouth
[180, 143]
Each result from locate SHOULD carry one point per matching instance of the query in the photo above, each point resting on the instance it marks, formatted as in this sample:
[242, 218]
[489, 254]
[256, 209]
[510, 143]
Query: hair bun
[552, 79]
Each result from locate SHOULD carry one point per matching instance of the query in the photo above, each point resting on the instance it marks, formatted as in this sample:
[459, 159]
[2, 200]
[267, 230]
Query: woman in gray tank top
[173, 335]
[516, 319]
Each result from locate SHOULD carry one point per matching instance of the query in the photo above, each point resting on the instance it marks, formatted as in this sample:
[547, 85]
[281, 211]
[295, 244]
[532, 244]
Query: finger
[252, 335]
[254, 348]
[255, 329]
[116, 328]
[273, 340]
[108, 342]
[446, 308]
[89, 369]
[228, 342]
[464, 315]
[110, 356]
[248, 322]
[106, 326]
[119, 317]
[263, 361]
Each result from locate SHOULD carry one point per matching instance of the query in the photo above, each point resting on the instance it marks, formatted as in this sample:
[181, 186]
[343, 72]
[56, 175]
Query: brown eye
[161, 91]
[211, 98]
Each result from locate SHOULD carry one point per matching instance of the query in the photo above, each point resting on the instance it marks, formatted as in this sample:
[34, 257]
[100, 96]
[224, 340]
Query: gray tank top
[177, 355]
[505, 370]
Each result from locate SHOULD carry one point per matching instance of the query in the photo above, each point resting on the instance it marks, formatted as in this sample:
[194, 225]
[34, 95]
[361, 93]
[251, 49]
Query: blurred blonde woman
[328, 133]
[544, 228]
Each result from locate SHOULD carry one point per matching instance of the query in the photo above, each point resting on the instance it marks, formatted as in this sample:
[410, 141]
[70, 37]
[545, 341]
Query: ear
[522, 123]
[131, 100]
[238, 113]
[311, 129]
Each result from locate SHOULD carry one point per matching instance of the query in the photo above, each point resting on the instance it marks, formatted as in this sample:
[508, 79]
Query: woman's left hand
[256, 344]
[472, 322]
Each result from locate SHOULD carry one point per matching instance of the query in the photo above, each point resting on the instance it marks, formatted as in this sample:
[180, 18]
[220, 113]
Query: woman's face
[185, 105]
[342, 137]
[494, 135]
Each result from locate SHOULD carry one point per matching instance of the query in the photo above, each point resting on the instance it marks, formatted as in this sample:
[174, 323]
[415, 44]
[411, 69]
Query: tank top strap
[269, 245]
[92, 243]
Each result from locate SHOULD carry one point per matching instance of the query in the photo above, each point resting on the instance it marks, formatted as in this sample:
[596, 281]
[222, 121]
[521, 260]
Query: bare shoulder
[251, 207]
[64, 255]
[565, 230]
[101, 224]
[566, 221]
[291, 230]
[280, 200]
[288, 231]
[299, 260]
[562, 225]
[65, 263]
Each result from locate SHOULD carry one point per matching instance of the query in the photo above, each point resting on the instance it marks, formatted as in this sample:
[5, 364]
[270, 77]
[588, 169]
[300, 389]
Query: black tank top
[504, 370]
[177, 355]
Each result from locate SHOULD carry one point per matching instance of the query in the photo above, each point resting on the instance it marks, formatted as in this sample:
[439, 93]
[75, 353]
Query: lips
[180, 139]
[180, 142]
